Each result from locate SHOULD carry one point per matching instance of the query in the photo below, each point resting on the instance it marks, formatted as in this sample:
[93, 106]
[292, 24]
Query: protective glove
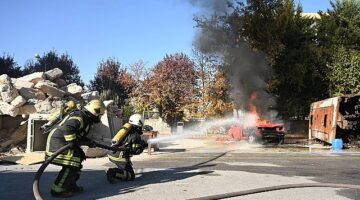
[144, 144]
[45, 128]
[72, 144]
[137, 149]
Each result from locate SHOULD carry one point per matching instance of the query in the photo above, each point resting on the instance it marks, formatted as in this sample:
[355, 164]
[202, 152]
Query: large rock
[60, 82]
[27, 109]
[53, 74]
[5, 79]
[49, 89]
[30, 93]
[43, 106]
[8, 92]
[73, 88]
[7, 109]
[18, 101]
[91, 95]
[34, 77]
[19, 83]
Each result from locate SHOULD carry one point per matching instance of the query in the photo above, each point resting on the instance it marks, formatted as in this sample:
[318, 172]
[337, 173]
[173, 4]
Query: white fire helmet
[136, 120]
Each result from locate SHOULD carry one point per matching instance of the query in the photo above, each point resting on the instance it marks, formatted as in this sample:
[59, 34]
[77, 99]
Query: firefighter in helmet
[129, 136]
[71, 130]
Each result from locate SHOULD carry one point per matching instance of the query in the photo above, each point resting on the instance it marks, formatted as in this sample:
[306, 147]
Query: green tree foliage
[112, 81]
[51, 60]
[288, 40]
[345, 72]
[172, 85]
[339, 41]
[9, 66]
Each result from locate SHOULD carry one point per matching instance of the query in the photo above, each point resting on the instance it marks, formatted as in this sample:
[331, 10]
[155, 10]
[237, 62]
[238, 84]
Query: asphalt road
[181, 173]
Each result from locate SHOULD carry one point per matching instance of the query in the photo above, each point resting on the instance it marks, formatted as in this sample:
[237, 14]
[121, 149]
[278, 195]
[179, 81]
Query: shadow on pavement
[18, 185]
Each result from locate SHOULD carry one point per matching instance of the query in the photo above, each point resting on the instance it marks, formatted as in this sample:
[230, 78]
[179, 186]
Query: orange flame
[253, 110]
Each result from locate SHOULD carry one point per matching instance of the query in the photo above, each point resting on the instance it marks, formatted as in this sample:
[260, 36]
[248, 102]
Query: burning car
[262, 132]
[265, 132]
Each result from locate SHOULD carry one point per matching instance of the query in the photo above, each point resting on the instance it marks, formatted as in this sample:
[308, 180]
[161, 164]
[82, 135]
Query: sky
[93, 30]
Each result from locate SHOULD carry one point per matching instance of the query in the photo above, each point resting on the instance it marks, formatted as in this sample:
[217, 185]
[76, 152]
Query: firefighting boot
[64, 194]
[76, 188]
[110, 175]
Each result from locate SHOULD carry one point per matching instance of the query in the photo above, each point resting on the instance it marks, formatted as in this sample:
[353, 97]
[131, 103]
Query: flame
[253, 110]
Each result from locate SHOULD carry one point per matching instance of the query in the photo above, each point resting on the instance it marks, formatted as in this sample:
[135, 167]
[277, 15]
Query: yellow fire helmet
[71, 104]
[95, 107]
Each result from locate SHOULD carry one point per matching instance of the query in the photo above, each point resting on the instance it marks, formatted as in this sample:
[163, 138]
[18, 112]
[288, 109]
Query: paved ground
[192, 168]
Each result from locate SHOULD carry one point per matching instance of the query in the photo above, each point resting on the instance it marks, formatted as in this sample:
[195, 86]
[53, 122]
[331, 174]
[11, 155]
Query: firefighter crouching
[71, 130]
[129, 136]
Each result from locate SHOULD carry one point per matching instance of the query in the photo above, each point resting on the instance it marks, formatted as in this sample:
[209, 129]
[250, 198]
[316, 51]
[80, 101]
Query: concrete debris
[18, 101]
[44, 106]
[53, 74]
[18, 83]
[5, 79]
[18, 136]
[30, 93]
[49, 89]
[8, 92]
[27, 109]
[34, 77]
[91, 95]
[73, 88]
[8, 109]
[36, 93]
[60, 82]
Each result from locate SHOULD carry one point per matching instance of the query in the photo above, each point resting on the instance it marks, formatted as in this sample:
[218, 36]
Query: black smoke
[246, 68]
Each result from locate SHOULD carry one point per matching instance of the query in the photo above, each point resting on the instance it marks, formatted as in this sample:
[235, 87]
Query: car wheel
[252, 139]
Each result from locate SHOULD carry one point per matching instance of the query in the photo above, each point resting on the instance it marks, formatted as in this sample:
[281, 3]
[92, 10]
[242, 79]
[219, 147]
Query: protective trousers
[66, 179]
[124, 170]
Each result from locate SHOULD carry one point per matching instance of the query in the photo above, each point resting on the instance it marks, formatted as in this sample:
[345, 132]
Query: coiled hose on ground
[42, 168]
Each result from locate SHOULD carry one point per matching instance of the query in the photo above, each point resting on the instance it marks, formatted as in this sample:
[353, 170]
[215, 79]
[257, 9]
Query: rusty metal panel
[337, 117]
[323, 115]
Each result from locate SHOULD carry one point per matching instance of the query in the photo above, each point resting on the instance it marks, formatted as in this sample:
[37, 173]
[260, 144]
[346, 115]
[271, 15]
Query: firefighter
[129, 136]
[58, 115]
[71, 130]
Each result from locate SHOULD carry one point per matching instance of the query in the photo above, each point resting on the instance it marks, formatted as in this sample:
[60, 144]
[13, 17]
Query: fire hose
[278, 187]
[42, 168]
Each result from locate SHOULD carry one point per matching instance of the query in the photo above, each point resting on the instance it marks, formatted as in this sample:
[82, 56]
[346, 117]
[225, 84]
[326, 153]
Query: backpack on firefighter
[58, 115]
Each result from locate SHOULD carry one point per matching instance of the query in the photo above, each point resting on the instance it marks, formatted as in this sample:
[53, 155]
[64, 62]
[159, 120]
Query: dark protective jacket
[128, 136]
[73, 128]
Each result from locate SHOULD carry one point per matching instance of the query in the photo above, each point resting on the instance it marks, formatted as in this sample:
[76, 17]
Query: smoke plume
[246, 69]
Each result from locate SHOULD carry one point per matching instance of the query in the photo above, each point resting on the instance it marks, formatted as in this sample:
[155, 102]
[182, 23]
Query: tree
[112, 81]
[293, 71]
[51, 60]
[172, 85]
[339, 41]
[206, 66]
[9, 66]
[219, 99]
[139, 99]
[345, 72]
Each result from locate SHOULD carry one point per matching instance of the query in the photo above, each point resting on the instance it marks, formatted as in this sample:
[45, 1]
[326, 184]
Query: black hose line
[42, 168]
[273, 188]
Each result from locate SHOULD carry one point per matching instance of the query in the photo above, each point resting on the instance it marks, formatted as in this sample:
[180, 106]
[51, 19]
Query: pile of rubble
[38, 92]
